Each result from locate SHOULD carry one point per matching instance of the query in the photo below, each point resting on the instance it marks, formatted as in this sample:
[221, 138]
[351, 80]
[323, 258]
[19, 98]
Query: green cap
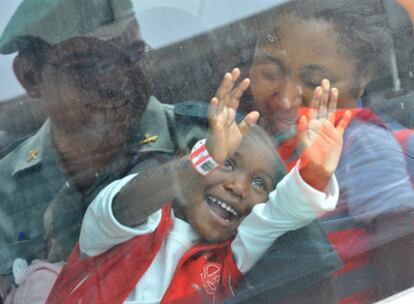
[57, 20]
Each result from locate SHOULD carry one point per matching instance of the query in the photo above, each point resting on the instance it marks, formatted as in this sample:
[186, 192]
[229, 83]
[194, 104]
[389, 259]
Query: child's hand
[320, 138]
[225, 135]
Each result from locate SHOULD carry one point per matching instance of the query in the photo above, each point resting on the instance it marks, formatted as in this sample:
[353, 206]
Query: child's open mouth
[222, 209]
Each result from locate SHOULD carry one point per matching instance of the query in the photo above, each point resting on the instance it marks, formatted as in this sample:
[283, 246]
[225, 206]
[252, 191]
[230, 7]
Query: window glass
[206, 151]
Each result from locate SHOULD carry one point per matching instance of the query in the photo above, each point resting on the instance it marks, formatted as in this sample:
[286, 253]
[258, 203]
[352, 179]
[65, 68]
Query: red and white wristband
[201, 160]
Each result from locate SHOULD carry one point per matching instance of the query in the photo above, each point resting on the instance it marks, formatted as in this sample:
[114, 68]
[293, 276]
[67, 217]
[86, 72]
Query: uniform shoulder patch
[192, 108]
[197, 109]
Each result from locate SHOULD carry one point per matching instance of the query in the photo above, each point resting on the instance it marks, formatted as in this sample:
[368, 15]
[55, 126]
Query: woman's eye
[272, 74]
[312, 80]
[312, 84]
[312, 75]
[259, 183]
[229, 165]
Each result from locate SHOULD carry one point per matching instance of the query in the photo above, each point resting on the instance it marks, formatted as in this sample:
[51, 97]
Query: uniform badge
[32, 155]
[148, 139]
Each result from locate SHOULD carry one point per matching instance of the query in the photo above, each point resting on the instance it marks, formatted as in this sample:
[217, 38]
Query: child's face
[225, 197]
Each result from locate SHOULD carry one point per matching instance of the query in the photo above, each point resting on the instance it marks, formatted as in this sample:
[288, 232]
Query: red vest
[205, 273]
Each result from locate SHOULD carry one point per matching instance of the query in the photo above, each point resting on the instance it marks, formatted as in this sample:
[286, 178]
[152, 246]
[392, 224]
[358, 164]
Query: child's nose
[236, 187]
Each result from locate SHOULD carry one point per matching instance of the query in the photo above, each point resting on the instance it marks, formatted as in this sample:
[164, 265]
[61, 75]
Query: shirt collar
[35, 150]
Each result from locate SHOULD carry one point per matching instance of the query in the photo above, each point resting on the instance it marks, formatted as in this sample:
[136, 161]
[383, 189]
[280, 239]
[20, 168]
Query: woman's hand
[321, 140]
[225, 135]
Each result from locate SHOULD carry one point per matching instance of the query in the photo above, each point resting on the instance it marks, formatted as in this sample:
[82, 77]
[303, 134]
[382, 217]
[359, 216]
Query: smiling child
[188, 230]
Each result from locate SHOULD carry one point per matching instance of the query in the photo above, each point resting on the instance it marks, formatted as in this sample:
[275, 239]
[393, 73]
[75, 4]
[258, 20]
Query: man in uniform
[85, 65]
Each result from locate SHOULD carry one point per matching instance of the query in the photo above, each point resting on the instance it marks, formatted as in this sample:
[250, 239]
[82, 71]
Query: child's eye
[259, 183]
[229, 165]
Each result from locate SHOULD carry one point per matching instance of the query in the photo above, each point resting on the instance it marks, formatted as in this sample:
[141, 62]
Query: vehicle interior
[206, 56]
[189, 68]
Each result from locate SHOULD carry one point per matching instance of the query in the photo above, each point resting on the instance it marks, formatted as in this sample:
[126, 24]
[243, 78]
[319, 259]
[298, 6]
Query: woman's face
[295, 60]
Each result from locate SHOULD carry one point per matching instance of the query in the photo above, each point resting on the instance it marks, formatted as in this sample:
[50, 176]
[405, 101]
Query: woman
[343, 41]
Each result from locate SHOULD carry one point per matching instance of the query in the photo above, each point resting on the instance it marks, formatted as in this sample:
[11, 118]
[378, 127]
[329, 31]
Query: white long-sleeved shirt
[291, 205]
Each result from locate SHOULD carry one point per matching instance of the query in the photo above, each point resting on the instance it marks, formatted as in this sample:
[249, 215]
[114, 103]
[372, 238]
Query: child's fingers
[226, 93]
[214, 104]
[235, 73]
[213, 109]
[299, 96]
[343, 123]
[238, 93]
[248, 121]
[228, 98]
[314, 103]
[302, 125]
[225, 86]
[239, 90]
[323, 106]
[333, 102]
[316, 98]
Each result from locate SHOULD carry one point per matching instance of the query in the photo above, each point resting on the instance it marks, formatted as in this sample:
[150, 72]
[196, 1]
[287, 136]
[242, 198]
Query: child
[188, 230]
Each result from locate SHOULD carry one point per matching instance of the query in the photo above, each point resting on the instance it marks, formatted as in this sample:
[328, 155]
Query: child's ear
[28, 75]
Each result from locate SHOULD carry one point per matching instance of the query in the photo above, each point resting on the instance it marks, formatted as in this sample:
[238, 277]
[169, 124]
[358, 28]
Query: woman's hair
[361, 28]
